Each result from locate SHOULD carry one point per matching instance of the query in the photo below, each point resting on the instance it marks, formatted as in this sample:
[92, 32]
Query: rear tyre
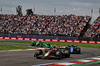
[67, 53]
[59, 55]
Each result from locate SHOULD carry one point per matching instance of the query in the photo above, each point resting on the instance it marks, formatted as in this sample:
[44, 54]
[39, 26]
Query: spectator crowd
[94, 29]
[46, 25]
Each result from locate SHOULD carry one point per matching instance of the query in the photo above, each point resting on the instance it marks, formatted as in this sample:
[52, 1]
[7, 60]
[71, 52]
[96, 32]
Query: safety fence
[53, 40]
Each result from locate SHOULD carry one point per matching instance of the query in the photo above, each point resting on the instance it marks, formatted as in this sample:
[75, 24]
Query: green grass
[12, 47]
[87, 45]
[78, 44]
[14, 41]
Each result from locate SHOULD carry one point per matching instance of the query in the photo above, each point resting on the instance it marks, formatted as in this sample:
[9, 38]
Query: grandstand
[93, 30]
[70, 26]
[50, 25]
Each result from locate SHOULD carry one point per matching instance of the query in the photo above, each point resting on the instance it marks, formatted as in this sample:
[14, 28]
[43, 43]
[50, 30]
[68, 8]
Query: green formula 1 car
[40, 44]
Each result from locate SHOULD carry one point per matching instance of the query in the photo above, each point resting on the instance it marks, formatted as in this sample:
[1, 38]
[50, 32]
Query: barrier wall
[53, 40]
[39, 37]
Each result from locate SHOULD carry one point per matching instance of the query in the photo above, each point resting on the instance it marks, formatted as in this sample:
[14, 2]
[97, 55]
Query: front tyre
[59, 55]
[48, 45]
[37, 53]
[32, 44]
[78, 51]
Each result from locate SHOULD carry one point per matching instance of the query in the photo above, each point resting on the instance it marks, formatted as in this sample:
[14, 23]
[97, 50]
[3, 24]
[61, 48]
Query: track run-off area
[26, 57]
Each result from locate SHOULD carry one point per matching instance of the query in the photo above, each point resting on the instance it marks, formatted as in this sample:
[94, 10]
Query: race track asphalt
[26, 58]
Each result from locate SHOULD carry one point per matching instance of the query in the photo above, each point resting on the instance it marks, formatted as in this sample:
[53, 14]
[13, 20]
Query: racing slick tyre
[59, 55]
[67, 53]
[48, 45]
[32, 44]
[37, 53]
[78, 51]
